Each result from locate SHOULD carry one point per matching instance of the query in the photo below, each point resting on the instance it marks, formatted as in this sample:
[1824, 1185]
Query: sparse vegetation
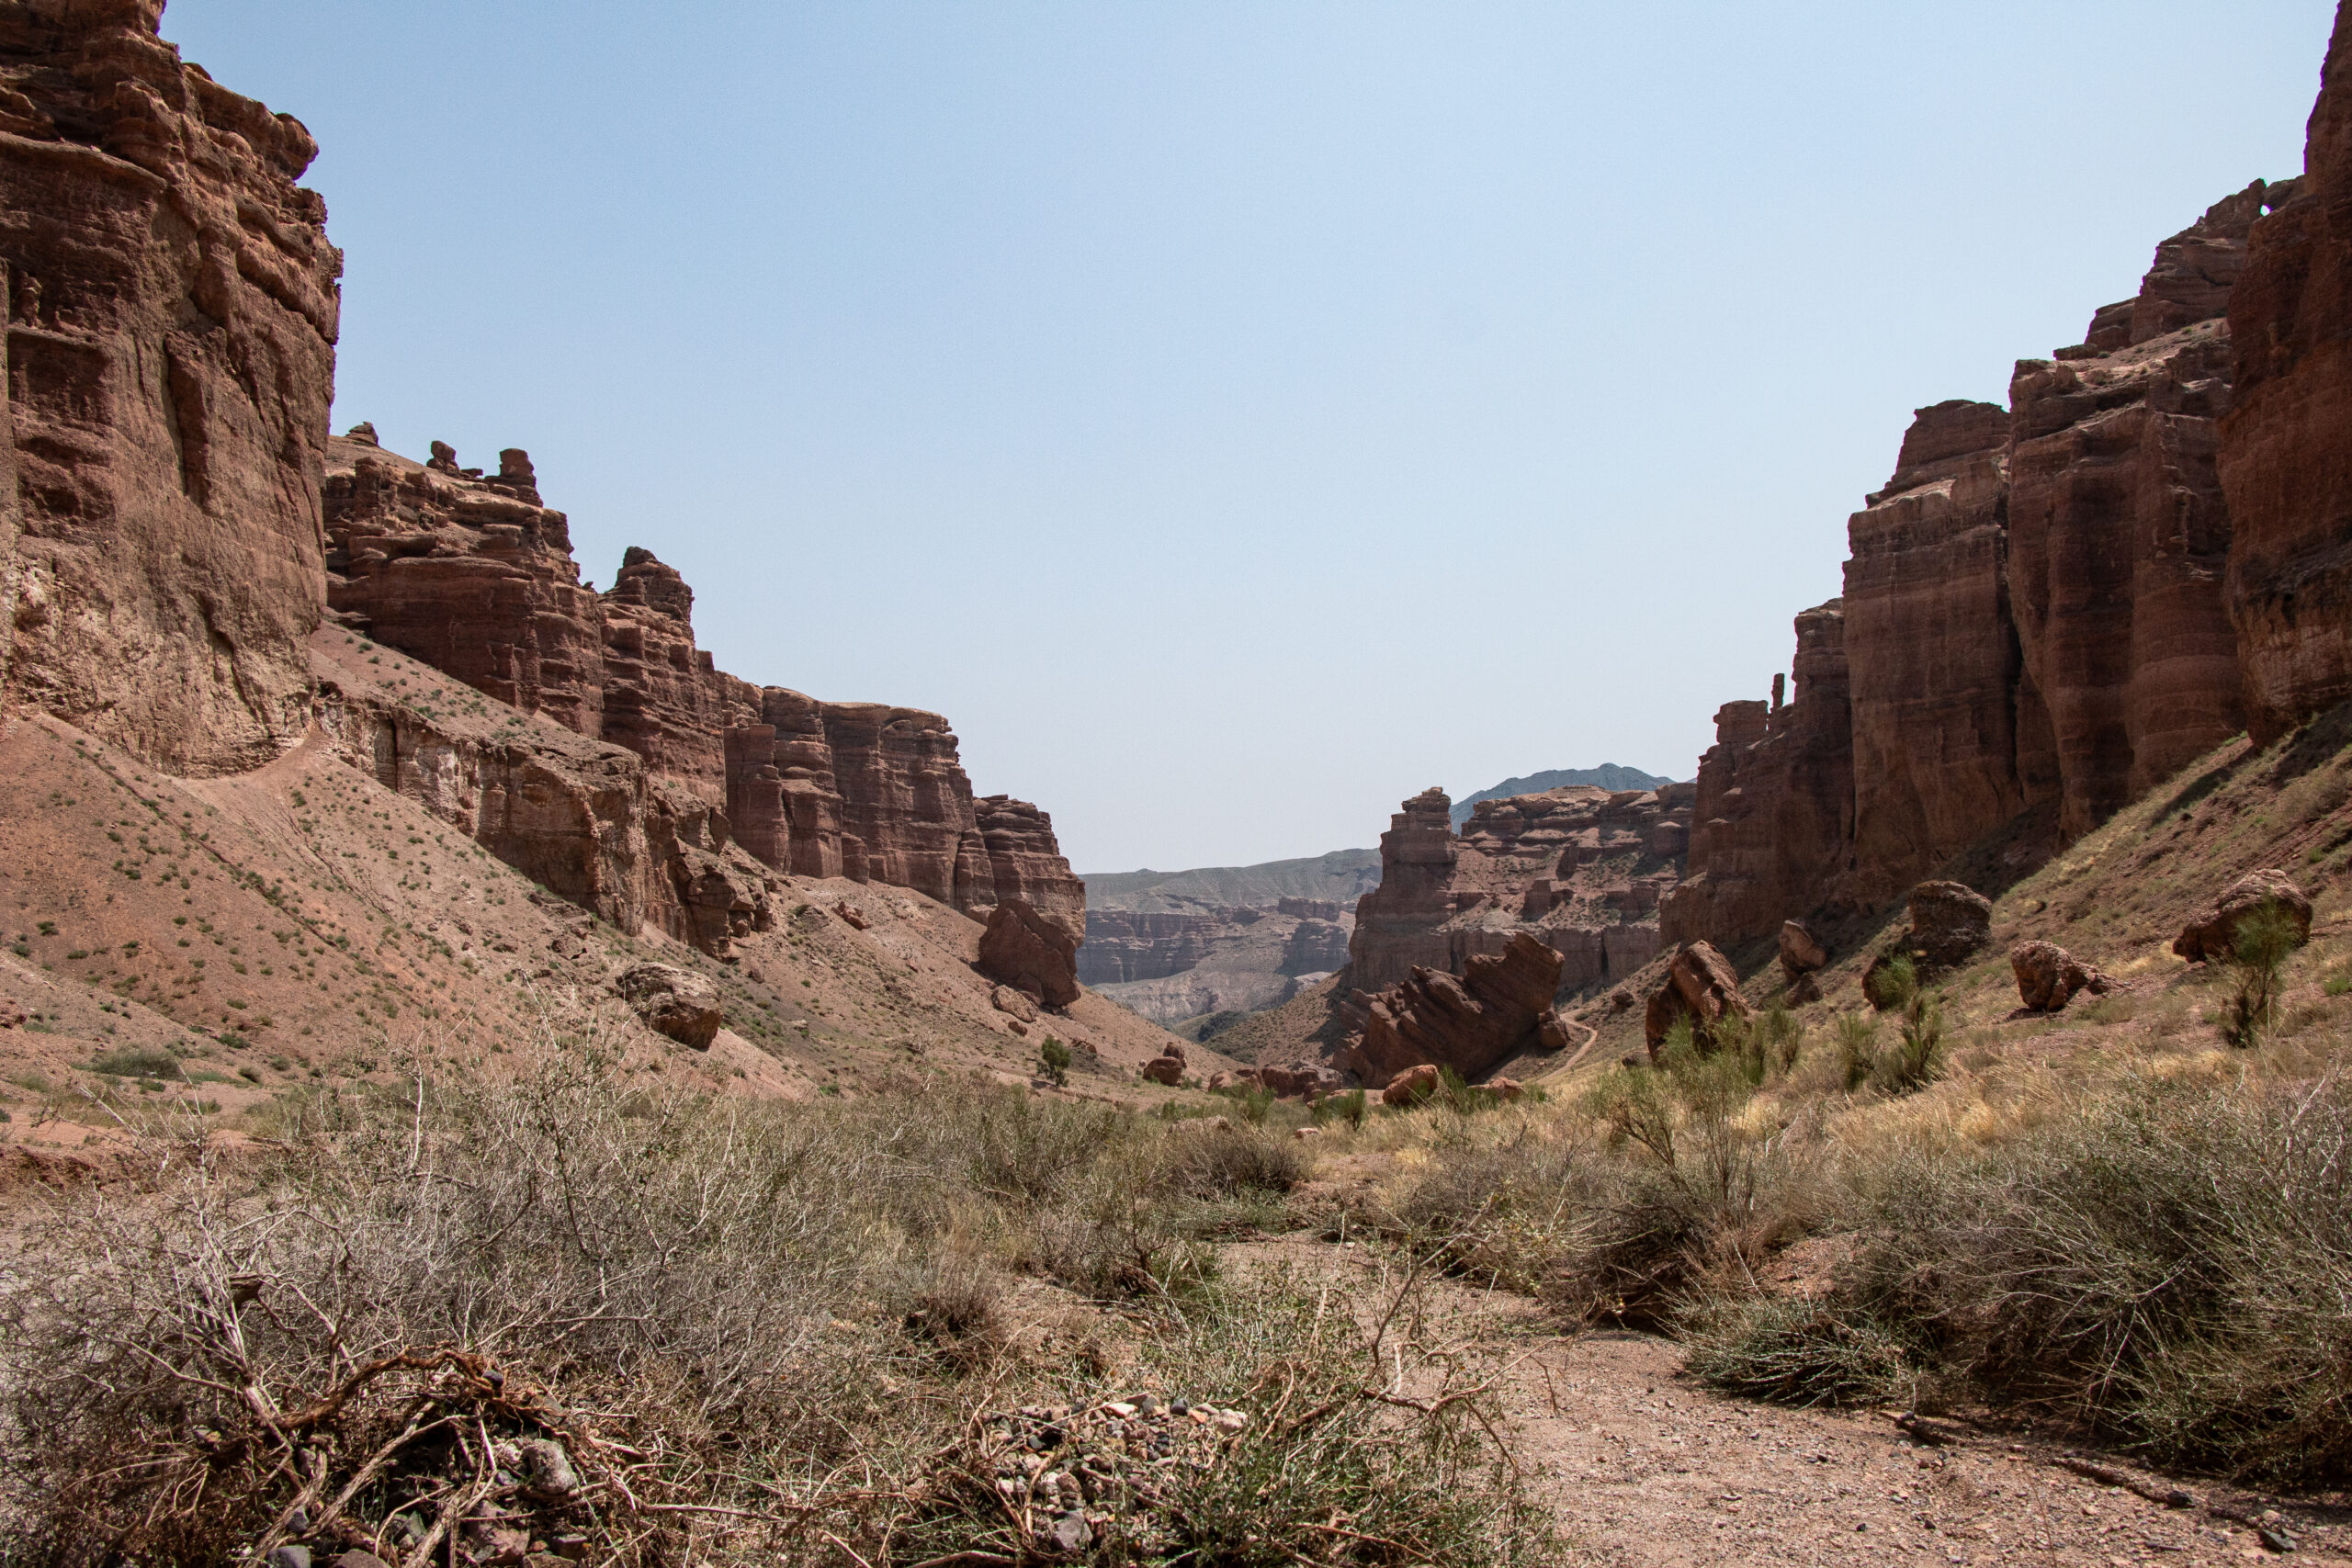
[2258, 952]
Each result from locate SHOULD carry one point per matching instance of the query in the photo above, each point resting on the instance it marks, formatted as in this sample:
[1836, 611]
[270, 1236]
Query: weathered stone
[1950, 921]
[1312, 1080]
[673, 1001]
[1168, 1067]
[171, 305]
[1412, 1086]
[1468, 1023]
[1031, 953]
[1700, 985]
[2211, 934]
[2048, 975]
[1005, 999]
[1801, 951]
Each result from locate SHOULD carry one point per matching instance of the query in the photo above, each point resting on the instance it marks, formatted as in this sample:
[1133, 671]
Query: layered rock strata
[473, 574]
[1469, 1022]
[1582, 869]
[2033, 619]
[2286, 458]
[171, 307]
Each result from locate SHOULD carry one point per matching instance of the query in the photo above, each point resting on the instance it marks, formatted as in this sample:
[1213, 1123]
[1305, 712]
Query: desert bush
[2168, 1267]
[1917, 1059]
[1800, 1352]
[1892, 983]
[1053, 1059]
[1231, 1162]
[1857, 1048]
[138, 1062]
[2259, 952]
[1349, 1108]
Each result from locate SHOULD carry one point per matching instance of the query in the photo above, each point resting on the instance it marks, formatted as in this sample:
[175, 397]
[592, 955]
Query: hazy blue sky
[1239, 416]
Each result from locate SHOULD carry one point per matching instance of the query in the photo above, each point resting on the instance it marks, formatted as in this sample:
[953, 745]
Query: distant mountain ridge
[1343, 874]
[1609, 775]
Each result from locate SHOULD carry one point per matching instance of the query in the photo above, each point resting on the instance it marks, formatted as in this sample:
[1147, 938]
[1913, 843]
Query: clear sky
[1238, 416]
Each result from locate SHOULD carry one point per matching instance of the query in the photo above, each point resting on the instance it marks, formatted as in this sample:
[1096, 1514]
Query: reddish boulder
[2048, 975]
[1950, 921]
[1801, 952]
[1168, 1067]
[2212, 933]
[1312, 1080]
[673, 1002]
[1031, 953]
[1700, 985]
[1412, 1086]
[1011, 1003]
[1468, 1023]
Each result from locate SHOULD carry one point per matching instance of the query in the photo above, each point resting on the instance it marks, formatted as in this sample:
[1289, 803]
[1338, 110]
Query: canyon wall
[2034, 627]
[2286, 457]
[472, 573]
[171, 305]
[1582, 869]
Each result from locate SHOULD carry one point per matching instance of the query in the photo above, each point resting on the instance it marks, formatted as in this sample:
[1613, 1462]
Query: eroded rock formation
[1469, 1022]
[2211, 934]
[171, 308]
[1582, 869]
[2286, 459]
[1030, 951]
[2033, 622]
[473, 574]
[1699, 986]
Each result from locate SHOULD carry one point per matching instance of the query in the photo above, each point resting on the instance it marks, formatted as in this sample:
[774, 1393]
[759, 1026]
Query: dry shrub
[2169, 1266]
[710, 1304]
[1801, 1353]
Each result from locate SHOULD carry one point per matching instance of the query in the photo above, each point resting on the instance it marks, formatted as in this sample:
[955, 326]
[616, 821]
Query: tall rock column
[1397, 922]
[172, 307]
[2286, 458]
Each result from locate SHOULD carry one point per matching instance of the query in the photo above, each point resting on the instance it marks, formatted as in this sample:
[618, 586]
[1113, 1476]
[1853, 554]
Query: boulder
[1801, 952]
[673, 1001]
[1950, 921]
[1168, 1067]
[1412, 1086]
[1469, 1022]
[2048, 975]
[1700, 985]
[1312, 1080]
[2211, 934]
[1504, 1089]
[1007, 1000]
[1029, 953]
[851, 916]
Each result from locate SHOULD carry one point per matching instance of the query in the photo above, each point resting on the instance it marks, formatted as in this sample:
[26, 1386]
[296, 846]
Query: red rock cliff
[171, 305]
[2033, 616]
[2286, 457]
[474, 575]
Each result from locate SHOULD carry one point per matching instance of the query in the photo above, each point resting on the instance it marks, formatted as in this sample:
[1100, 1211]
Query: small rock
[291, 1555]
[357, 1559]
[1302, 1134]
[1505, 1088]
[1071, 1534]
[548, 1466]
[2048, 975]
[571, 1547]
[851, 916]
[1411, 1086]
[1012, 1004]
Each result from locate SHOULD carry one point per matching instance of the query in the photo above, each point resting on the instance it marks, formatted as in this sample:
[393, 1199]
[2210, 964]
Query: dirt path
[1645, 1469]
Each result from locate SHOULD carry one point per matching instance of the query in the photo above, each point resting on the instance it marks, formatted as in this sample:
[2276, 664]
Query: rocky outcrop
[473, 574]
[2211, 935]
[1031, 953]
[673, 1001]
[2117, 533]
[1775, 798]
[170, 306]
[578, 816]
[1168, 1067]
[2286, 456]
[2048, 975]
[1469, 1022]
[1582, 869]
[1699, 986]
[2033, 622]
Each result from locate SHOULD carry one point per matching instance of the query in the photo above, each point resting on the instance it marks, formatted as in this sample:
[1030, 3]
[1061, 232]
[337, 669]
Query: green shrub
[1892, 982]
[2259, 952]
[1053, 1059]
[1918, 1057]
[138, 1062]
[1349, 1108]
